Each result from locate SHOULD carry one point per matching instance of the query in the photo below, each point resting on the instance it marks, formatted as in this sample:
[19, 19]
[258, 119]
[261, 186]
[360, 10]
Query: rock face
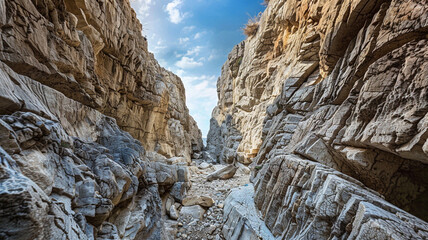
[75, 78]
[240, 216]
[301, 199]
[94, 53]
[339, 83]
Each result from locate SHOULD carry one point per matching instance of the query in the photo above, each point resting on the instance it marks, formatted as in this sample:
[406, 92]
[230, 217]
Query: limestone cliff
[75, 78]
[329, 101]
[94, 53]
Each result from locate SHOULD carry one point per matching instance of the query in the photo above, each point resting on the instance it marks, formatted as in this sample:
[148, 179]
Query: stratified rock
[338, 83]
[240, 216]
[203, 201]
[326, 204]
[94, 52]
[223, 173]
[73, 76]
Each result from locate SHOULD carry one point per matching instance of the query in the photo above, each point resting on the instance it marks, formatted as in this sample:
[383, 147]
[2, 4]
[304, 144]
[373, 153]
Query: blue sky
[192, 38]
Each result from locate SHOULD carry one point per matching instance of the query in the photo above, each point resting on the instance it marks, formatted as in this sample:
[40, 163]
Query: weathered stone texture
[74, 76]
[94, 52]
[70, 171]
[343, 84]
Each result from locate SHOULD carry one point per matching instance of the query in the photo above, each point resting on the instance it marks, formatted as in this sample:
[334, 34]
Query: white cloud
[145, 7]
[183, 40]
[178, 55]
[198, 35]
[188, 29]
[194, 51]
[172, 8]
[200, 90]
[160, 45]
[212, 56]
[188, 62]
[180, 72]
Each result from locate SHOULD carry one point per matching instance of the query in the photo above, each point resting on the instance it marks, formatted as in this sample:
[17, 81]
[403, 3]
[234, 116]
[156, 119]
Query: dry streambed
[200, 213]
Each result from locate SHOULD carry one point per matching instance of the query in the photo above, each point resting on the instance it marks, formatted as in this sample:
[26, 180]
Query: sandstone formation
[329, 102]
[75, 78]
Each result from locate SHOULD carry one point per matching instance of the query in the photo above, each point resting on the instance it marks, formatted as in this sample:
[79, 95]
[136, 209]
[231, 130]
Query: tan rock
[203, 201]
[95, 53]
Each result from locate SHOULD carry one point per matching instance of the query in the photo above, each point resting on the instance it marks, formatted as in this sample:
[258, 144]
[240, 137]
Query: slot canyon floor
[326, 102]
[210, 222]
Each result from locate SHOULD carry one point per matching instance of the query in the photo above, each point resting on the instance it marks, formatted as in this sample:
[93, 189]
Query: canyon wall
[92, 130]
[328, 101]
[94, 53]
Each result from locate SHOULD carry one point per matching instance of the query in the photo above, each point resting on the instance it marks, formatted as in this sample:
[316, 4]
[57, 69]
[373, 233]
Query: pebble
[209, 227]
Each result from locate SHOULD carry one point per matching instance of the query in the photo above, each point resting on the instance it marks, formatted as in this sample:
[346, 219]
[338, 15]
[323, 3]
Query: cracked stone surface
[338, 83]
[327, 104]
[93, 132]
[94, 52]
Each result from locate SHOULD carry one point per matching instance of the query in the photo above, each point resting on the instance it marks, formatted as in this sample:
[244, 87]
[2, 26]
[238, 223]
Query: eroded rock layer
[75, 78]
[341, 83]
[94, 53]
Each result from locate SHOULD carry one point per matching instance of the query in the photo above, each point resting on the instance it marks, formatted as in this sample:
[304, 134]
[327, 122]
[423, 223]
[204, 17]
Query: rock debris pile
[200, 213]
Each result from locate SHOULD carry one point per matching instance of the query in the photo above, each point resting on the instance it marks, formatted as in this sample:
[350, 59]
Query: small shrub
[265, 2]
[258, 167]
[252, 26]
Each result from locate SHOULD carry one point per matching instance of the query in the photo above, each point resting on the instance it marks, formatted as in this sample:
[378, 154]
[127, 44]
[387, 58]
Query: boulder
[168, 203]
[203, 201]
[179, 191]
[173, 212]
[241, 220]
[195, 211]
[224, 173]
[204, 165]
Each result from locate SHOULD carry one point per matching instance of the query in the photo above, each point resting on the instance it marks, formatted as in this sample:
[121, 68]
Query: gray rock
[204, 165]
[345, 91]
[196, 211]
[240, 216]
[179, 191]
[173, 212]
[224, 173]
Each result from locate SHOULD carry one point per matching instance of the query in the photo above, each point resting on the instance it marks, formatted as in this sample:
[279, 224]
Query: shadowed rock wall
[75, 78]
[341, 83]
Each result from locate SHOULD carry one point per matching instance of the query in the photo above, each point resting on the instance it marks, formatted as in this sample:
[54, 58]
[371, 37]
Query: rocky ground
[202, 218]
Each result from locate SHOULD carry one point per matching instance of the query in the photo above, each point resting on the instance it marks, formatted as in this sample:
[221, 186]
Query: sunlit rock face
[94, 53]
[343, 84]
[88, 122]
